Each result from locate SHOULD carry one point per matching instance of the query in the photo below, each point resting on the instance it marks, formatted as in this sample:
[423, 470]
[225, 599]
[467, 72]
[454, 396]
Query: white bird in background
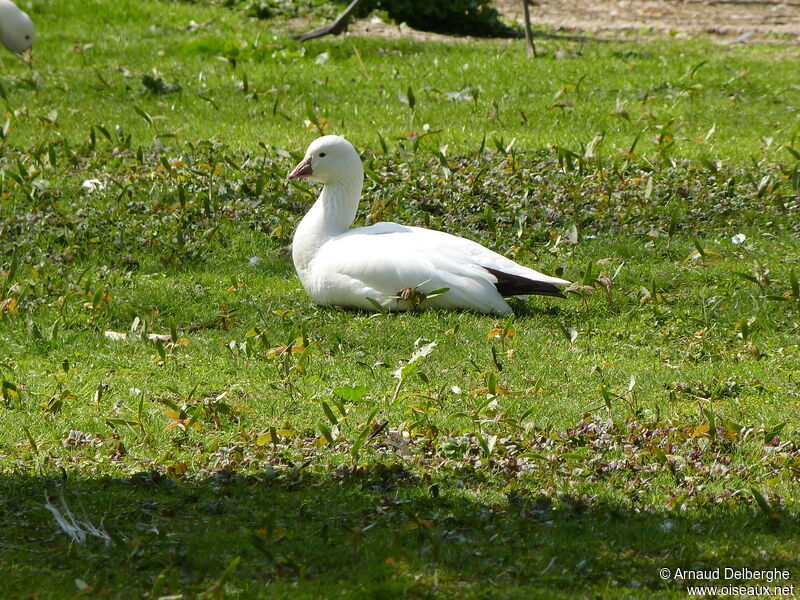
[393, 266]
[17, 33]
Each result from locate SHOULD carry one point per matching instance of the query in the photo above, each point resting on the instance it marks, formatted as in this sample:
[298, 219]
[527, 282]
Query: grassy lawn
[271, 448]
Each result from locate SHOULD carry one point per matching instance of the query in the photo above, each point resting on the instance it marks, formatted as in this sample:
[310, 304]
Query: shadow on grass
[378, 534]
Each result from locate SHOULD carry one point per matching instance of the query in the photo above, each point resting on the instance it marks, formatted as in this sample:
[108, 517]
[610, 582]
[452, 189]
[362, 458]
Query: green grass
[675, 92]
[648, 421]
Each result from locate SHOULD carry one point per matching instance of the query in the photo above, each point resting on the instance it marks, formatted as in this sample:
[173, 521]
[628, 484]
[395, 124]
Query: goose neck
[332, 214]
[338, 203]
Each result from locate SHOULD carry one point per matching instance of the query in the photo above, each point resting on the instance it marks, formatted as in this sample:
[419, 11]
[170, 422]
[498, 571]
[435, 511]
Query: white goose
[17, 33]
[393, 265]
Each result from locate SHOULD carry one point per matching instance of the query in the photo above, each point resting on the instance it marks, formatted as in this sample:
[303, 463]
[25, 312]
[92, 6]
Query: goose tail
[509, 284]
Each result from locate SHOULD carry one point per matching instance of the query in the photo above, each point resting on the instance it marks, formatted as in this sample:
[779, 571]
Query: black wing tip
[555, 292]
[509, 284]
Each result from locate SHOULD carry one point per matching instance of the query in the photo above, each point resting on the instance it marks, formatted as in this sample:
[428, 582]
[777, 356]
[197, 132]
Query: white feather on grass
[77, 529]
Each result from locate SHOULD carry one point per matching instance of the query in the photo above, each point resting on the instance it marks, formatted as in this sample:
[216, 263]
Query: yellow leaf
[704, 429]
[426, 524]
[498, 332]
[273, 352]
[498, 389]
[9, 305]
[173, 414]
[263, 439]
[277, 351]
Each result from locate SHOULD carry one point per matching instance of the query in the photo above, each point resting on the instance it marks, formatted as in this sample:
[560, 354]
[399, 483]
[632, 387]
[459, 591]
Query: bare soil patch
[721, 20]
[726, 20]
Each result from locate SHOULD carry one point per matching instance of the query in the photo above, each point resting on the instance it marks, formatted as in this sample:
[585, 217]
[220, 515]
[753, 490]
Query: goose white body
[359, 267]
[17, 33]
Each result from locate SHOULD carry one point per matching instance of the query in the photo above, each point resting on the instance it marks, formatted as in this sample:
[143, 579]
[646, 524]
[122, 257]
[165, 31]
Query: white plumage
[17, 33]
[393, 265]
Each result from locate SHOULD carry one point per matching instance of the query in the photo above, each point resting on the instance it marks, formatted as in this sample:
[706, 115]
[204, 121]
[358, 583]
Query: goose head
[330, 159]
[16, 29]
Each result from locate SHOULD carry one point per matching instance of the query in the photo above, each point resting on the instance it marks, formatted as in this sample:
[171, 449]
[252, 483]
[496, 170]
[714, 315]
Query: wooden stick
[338, 26]
[528, 31]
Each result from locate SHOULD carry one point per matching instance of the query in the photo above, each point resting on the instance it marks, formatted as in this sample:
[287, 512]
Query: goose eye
[321, 154]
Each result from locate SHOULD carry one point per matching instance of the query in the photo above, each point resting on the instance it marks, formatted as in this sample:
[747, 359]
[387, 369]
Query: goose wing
[382, 260]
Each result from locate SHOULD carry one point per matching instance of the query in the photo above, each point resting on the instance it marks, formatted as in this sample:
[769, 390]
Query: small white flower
[739, 238]
[91, 186]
